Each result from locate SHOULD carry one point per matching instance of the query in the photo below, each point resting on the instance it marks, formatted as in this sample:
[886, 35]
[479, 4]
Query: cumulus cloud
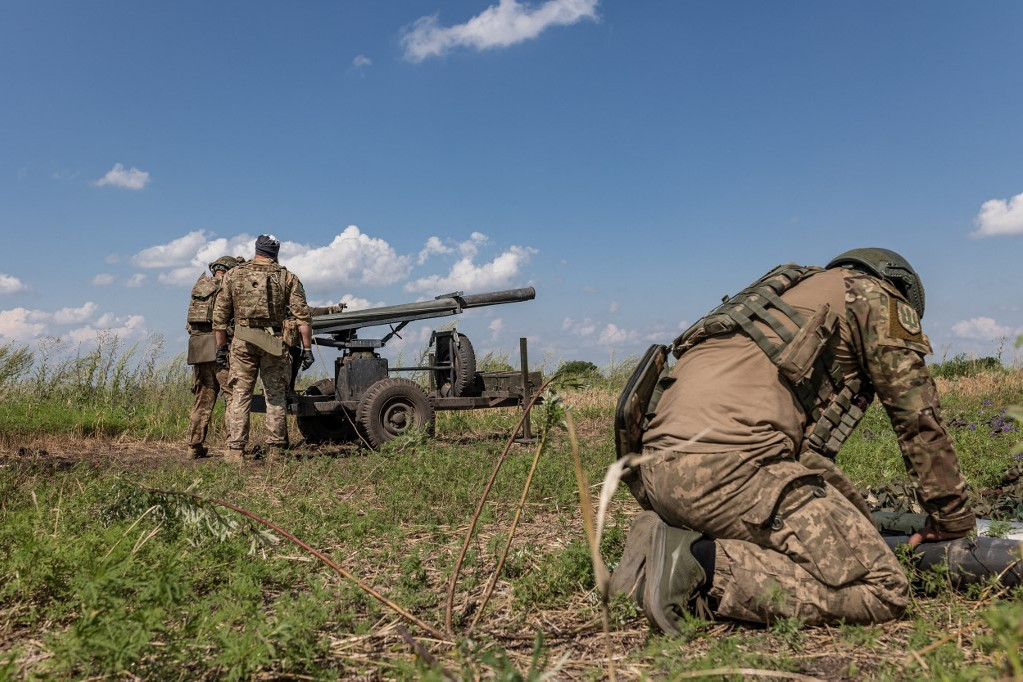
[117, 176]
[998, 216]
[361, 63]
[103, 279]
[20, 324]
[174, 253]
[465, 275]
[10, 284]
[352, 257]
[983, 329]
[584, 327]
[613, 335]
[613, 306]
[351, 302]
[74, 315]
[433, 246]
[496, 326]
[135, 281]
[25, 325]
[132, 326]
[507, 23]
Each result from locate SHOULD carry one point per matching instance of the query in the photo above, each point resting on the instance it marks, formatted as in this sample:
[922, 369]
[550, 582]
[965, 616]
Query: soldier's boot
[673, 577]
[234, 455]
[198, 451]
[629, 575]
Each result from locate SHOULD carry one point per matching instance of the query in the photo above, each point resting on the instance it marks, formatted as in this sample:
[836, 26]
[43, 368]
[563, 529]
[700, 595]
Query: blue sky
[633, 161]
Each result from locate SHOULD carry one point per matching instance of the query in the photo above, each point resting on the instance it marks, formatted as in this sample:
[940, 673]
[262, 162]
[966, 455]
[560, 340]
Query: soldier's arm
[223, 310]
[893, 359]
[299, 308]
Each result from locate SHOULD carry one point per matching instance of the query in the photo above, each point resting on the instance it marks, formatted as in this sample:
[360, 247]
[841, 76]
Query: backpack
[204, 296]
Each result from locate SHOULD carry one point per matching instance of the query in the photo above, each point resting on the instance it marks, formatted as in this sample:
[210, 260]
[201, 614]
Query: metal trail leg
[527, 395]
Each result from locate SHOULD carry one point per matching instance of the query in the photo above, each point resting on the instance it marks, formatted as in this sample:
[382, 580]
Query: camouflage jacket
[888, 336]
[259, 293]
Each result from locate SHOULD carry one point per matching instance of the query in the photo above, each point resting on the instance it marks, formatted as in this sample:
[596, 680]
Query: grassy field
[114, 563]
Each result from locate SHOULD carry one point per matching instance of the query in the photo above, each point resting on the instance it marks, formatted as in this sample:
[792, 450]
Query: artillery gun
[364, 402]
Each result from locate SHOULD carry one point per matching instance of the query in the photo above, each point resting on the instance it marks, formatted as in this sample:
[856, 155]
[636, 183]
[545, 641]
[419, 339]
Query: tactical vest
[200, 307]
[833, 404]
[258, 294]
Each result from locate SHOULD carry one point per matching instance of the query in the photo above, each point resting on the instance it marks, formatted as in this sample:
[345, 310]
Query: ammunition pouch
[636, 406]
[290, 334]
[260, 338]
[201, 348]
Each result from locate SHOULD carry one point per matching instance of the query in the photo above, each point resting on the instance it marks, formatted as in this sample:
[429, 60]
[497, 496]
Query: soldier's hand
[222, 357]
[334, 309]
[930, 534]
[307, 358]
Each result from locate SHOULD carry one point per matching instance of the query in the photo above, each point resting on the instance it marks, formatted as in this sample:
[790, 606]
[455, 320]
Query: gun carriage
[363, 401]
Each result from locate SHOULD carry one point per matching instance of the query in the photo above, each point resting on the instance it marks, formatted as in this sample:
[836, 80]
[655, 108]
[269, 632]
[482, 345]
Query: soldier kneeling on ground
[746, 513]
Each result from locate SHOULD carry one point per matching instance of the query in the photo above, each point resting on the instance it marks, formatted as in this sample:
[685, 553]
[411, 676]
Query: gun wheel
[392, 407]
[463, 359]
[322, 429]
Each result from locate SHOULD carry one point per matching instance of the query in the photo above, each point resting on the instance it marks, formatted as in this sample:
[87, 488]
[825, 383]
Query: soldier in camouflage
[765, 390]
[207, 377]
[258, 296]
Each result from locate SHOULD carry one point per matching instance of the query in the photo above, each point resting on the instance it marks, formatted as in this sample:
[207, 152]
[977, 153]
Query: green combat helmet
[887, 265]
[225, 263]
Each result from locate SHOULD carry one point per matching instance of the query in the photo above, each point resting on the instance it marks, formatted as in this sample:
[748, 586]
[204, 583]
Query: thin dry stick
[423, 653]
[745, 672]
[316, 553]
[599, 569]
[483, 499]
[947, 638]
[511, 534]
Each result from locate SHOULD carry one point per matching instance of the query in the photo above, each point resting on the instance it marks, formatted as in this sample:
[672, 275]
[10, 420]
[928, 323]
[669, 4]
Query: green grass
[100, 577]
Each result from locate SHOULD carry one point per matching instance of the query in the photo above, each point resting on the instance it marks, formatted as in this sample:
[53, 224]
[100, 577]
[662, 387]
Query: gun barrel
[406, 312]
[498, 297]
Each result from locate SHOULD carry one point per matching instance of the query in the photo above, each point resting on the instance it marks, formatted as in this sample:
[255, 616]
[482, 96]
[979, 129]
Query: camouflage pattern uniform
[207, 380]
[279, 291]
[731, 460]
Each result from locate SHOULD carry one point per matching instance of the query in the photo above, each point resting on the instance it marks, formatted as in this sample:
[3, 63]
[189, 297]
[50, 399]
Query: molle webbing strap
[840, 418]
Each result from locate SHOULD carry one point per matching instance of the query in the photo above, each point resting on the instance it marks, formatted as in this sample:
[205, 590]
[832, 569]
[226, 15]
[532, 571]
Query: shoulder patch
[903, 322]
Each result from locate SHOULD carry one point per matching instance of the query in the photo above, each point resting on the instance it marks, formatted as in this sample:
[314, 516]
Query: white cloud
[433, 245]
[75, 315]
[174, 253]
[496, 326]
[351, 302]
[507, 23]
[135, 281]
[117, 176]
[998, 216]
[613, 306]
[113, 258]
[351, 258]
[361, 62]
[465, 275]
[20, 324]
[613, 335]
[103, 279]
[584, 327]
[983, 329]
[10, 284]
[132, 326]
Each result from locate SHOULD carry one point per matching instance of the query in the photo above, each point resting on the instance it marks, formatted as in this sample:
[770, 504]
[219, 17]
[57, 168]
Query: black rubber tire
[391, 407]
[317, 430]
[465, 371]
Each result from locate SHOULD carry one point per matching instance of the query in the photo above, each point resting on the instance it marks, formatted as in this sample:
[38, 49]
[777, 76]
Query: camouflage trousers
[248, 362]
[207, 380]
[788, 544]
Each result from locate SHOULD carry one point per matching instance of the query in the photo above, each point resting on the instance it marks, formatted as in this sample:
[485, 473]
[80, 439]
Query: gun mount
[363, 402]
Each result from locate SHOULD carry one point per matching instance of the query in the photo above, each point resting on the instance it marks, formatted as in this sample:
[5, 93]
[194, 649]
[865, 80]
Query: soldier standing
[208, 377]
[766, 389]
[258, 295]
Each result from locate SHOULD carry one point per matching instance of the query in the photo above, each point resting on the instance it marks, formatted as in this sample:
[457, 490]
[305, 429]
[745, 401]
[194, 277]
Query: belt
[269, 329]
